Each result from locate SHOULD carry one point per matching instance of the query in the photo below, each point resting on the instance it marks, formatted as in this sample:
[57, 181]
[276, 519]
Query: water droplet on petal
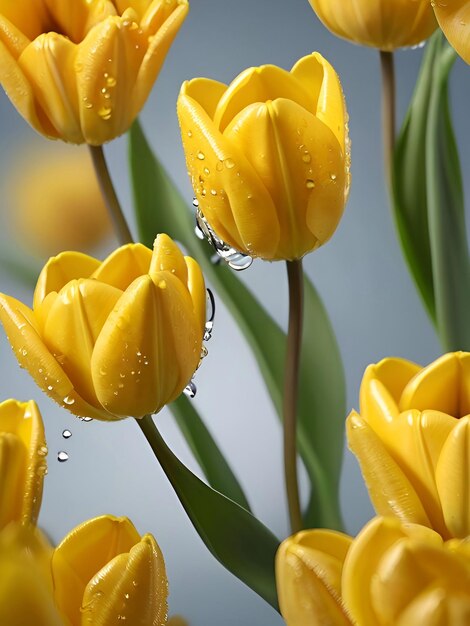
[86, 419]
[210, 315]
[201, 156]
[309, 183]
[105, 113]
[229, 163]
[69, 400]
[235, 259]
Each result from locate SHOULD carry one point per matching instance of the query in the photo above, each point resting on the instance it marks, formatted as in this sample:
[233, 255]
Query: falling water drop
[66, 434]
[62, 456]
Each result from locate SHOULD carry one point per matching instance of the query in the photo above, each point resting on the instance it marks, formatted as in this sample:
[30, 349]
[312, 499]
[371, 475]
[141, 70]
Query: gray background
[360, 274]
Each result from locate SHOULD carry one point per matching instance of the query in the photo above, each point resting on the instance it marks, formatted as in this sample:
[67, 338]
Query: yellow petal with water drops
[124, 265]
[453, 479]
[33, 354]
[23, 457]
[230, 193]
[381, 389]
[77, 18]
[72, 327]
[437, 607]
[61, 269]
[131, 587]
[206, 92]
[436, 386]
[83, 552]
[148, 348]
[48, 63]
[167, 257]
[303, 172]
[160, 38]
[454, 19]
[308, 578]
[197, 289]
[257, 85]
[390, 490]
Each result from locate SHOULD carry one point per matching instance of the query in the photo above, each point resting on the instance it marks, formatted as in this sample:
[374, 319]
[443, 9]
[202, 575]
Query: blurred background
[360, 275]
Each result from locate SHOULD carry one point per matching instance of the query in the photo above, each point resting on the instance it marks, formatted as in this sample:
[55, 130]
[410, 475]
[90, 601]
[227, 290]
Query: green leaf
[205, 451]
[428, 200]
[235, 537]
[446, 212]
[322, 409]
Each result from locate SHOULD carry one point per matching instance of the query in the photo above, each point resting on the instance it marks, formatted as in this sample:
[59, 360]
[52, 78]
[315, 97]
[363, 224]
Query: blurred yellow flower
[82, 70]
[22, 462]
[382, 24]
[268, 156]
[112, 339]
[54, 201]
[392, 574]
[412, 440]
[454, 19]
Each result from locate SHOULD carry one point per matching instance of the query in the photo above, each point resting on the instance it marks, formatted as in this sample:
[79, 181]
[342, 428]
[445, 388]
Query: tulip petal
[84, 552]
[168, 257]
[308, 575]
[454, 18]
[261, 84]
[77, 18]
[33, 355]
[131, 587]
[205, 92]
[389, 488]
[23, 19]
[437, 607]
[254, 224]
[197, 289]
[12, 472]
[61, 269]
[124, 265]
[453, 479]
[148, 348]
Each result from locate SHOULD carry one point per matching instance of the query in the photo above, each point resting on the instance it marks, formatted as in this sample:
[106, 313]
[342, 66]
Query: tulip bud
[113, 339]
[268, 156]
[382, 24]
[22, 462]
[81, 72]
[412, 441]
[105, 572]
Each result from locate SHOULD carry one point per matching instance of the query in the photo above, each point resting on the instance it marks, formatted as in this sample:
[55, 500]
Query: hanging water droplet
[62, 456]
[69, 400]
[190, 390]
[235, 259]
[66, 434]
[86, 419]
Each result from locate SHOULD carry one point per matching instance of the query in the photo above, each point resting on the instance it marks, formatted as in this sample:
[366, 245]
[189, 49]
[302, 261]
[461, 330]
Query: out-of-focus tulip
[82, 70]
[60, 207]
[177, 620]
[454, 19]
[112, 339]
[22, 462]
[392, 574]
[105, 572]
[412, 440]
[382, 24]
[268, 156]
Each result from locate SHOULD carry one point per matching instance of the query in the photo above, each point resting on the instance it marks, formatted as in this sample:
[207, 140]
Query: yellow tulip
[104, 572]
[412, 440]
[392, 574]
[22, 462]
[268, 156]
[82, 70]
[112, 339]
[382, 24]
[454, 19]
[57, 209]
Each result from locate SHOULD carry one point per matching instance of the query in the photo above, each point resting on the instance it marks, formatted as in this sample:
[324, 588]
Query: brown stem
[291, 385]
[109, 194]
[388, 109]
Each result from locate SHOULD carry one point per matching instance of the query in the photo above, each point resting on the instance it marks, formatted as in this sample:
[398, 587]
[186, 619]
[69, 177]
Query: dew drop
[66, 434]
[86, 419]
[190, 390]
[50, 387]
[111, 81]
[189, 133]
[213, 192]
[235, 259]
[207, 171]
[62, 456]
[105, 113]
[201, 156]
[309, 183]
[333, 176]
[210, 315]
[42, 450]
[220, 166]
[162, 284]
[69, 400]
[195, 203]
[229, 163]
[306, 158]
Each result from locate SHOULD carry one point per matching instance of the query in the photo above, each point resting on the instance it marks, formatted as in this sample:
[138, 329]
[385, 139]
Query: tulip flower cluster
[102, 572]
[113, 339]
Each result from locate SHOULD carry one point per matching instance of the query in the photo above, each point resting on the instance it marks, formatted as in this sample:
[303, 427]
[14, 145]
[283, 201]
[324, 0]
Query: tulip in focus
[268, 156]
[412, 440]
[112, 339]
[454, 19]
[392, 574]
[60, 206]
[382, 24]
[22, 462]
[82, 70]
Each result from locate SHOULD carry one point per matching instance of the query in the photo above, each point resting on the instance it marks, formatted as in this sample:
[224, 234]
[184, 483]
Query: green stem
[109, 194]
[291, 391]
[388, 109]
